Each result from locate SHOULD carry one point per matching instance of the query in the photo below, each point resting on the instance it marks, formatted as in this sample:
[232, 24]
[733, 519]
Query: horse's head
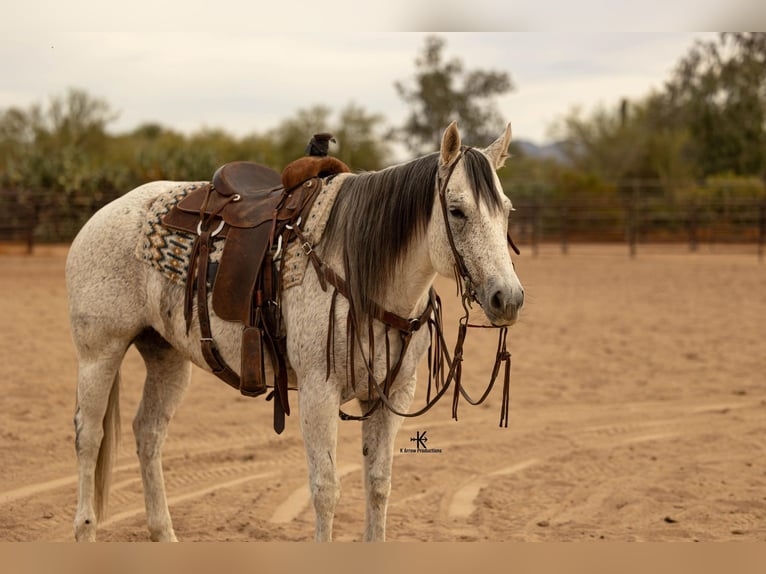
[475, 237]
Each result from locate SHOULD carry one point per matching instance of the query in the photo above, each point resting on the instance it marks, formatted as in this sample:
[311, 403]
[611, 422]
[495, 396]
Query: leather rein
[431, 316]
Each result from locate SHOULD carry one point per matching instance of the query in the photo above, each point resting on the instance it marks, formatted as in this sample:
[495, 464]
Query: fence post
[536, 225]
[761, 229]
[692, 225]
[32, 225]
[632, 225]
[30, 239]
[563, 226]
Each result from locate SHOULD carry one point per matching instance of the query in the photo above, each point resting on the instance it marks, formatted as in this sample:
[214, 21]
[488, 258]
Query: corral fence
[642, 213]
[637, 222]
[39, 216]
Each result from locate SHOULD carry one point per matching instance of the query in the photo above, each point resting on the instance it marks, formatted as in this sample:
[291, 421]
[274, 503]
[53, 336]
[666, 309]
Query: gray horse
[388, 236]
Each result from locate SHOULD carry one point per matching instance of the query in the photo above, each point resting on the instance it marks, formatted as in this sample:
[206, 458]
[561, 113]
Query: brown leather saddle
[258, 211]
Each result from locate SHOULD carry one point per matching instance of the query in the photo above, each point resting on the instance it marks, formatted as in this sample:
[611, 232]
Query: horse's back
[105, 280]
[120, 219]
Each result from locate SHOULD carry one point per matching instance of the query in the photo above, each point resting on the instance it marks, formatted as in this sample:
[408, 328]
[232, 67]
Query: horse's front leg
[378, 435]
[319, 403]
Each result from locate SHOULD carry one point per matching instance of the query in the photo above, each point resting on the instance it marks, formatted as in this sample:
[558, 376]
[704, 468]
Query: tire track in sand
[39, 506]
[461, 502]
[300, 499]
[195, 449]
[173, 500]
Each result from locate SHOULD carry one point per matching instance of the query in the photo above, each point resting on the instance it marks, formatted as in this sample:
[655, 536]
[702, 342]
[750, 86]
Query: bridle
[461, 269]
[462, 274]
[432, 316]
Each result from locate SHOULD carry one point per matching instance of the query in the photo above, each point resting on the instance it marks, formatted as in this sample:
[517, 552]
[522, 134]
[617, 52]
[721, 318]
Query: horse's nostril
[498, 301]
[506, 303]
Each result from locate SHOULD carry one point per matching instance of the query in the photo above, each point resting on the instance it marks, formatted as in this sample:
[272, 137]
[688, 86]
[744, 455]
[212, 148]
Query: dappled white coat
[116, 300]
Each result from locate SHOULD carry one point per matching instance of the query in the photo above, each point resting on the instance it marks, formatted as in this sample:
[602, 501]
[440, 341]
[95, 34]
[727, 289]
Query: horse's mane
[377, 215]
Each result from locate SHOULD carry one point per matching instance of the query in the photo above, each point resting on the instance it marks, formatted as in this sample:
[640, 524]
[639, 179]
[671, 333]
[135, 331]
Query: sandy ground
[638, 412]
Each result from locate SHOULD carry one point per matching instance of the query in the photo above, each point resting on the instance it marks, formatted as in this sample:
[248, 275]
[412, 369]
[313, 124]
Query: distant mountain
[554, 151]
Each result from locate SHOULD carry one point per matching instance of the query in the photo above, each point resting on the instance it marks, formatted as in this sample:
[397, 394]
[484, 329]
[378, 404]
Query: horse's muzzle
[503, 304]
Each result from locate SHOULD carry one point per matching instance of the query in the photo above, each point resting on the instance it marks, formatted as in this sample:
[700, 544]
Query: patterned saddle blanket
[169, 250]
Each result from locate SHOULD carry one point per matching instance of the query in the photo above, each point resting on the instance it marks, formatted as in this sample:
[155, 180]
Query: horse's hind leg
[97, 429]
[168, 374]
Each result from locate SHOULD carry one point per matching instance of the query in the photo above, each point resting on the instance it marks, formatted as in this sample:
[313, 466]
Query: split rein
[438, 351]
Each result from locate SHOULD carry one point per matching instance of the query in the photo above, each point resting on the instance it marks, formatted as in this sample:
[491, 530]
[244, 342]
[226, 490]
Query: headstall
[439, 381]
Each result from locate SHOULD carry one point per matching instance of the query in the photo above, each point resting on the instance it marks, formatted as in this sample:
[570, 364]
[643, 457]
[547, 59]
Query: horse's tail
[108, 450]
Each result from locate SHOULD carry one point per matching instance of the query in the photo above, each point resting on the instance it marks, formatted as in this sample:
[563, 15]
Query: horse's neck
[407, 292]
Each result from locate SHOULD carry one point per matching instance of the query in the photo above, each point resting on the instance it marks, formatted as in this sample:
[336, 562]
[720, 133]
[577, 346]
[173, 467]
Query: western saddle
[258, 211]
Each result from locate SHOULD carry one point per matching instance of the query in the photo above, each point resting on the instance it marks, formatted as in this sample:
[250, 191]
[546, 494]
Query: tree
[634, 140]
[78, 119]
[718, 92]
[442, 91]
[291, 136]
[360, 144]
[58, 147]
[709, 120]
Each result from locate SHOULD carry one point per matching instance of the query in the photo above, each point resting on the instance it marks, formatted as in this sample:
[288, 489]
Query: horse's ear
[450, 145]
[498, 150]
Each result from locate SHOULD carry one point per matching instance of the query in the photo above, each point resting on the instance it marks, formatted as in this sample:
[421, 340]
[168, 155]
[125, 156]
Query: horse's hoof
[163, 536]
[85, 531]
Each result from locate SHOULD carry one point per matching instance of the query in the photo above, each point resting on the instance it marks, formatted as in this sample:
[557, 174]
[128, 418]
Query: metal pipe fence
[641, 220]
[42, 216]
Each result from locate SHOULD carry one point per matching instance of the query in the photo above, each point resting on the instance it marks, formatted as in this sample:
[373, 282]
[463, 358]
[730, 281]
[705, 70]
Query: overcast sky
[177, 66]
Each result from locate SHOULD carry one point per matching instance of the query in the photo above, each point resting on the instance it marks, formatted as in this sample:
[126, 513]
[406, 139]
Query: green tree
[718, 93]
[61, 147]
[360, 144]
[357, 133]
[708, 121]
[291, 136]
[632, 140]
[64, 147]
[442, 91]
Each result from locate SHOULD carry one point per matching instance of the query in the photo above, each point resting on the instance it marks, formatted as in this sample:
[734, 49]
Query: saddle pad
[295, 259]
[168, 250]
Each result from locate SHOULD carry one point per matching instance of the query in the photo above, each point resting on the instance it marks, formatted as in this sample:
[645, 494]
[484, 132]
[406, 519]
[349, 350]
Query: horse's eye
[457, 213]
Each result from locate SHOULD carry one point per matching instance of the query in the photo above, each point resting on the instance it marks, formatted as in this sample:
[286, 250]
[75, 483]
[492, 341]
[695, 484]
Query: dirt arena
[638, 413]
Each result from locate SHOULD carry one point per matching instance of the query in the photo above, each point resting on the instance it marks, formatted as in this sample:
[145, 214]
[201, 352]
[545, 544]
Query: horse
[387, 234]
